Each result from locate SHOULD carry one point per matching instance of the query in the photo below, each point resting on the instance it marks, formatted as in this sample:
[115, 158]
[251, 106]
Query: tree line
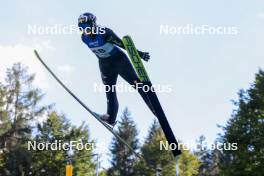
[24, 119]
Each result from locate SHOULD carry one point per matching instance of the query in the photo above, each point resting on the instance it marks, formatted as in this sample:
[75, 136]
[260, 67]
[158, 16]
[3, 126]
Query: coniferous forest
[21, 112]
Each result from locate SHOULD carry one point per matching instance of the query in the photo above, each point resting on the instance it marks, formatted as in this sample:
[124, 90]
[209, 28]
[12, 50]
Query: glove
[144, 55]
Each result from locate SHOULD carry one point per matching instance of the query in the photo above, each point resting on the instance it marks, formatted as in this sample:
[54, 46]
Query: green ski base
[152, 96]
[135, 58]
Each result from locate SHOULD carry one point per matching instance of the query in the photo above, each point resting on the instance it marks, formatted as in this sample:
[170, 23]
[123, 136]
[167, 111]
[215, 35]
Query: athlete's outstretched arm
[113, 38]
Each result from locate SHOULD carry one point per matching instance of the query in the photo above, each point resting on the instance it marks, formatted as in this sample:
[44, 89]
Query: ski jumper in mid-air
[112, 62]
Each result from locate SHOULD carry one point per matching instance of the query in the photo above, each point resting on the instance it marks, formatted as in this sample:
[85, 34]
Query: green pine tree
[123, 159]
[5, 121]
[246, 128]
[18, 108]
[154, 157]
[48, 162]
[210, 160]
[188, 164]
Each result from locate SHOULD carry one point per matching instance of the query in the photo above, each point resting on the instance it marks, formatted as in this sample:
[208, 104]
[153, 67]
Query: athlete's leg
[127, 72]
[109, 77]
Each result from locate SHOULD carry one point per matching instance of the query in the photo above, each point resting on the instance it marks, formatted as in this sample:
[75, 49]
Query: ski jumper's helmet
[86, 20]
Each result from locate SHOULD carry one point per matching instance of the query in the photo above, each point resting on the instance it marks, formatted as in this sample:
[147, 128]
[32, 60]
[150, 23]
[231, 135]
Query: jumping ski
[143, 76]
[94, 114]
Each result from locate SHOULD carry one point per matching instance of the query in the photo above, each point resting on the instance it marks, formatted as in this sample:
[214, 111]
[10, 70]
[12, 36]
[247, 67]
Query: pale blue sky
[205, 71]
